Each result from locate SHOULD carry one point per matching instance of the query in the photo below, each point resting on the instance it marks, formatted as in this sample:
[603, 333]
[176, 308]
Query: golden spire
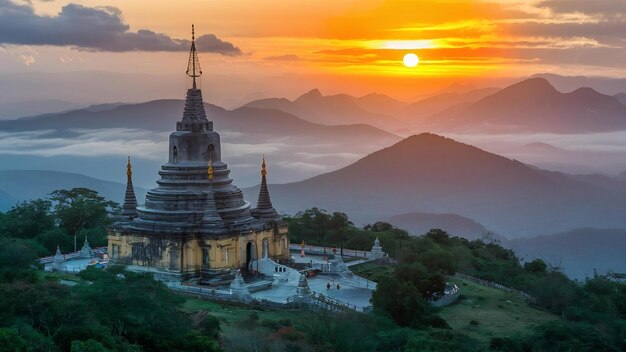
[210, 171]
[129, 168]
[263, 170]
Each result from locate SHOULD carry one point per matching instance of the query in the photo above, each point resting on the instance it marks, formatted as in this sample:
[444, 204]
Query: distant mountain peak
[458, 88]
[427, 137]
[313, 94]
[585, 91]
[535, 85]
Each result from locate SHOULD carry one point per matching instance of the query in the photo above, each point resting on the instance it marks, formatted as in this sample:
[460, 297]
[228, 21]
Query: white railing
[72, 255]
[311, 249]
[493, 285]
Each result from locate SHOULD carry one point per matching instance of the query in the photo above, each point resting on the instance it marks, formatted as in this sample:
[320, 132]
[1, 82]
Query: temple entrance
[249, 255]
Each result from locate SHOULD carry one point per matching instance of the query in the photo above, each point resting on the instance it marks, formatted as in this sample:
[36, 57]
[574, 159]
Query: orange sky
[357, 43]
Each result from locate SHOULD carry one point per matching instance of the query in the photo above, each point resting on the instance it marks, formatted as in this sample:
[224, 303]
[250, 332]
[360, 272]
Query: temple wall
[164, 253]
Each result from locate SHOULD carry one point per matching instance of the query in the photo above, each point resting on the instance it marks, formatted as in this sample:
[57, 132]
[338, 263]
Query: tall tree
[340, 223]
[81, 208]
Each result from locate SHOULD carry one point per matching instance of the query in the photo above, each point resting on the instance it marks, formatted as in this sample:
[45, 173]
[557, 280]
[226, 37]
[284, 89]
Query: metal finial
[129, 168]
[193, 67]
[263, 170]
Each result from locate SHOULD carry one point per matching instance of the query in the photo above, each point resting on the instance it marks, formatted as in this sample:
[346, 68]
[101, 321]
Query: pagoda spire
[129, 209]
[193, 67]
[264, 208]
[194, 116]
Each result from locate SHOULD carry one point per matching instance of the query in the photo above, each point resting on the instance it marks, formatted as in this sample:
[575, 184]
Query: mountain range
[579, 252]
[24, 185]
[420, 112]
[161, 115]
[533, 105]
[372, 109]
[421, 223]
[428, 173]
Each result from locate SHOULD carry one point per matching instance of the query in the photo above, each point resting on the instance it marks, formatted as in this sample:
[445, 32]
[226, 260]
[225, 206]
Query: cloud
[90, 143]
[604, 7]
[283, 58]
[27, 59]
[242, 149]
[299, 165]
[93, 28]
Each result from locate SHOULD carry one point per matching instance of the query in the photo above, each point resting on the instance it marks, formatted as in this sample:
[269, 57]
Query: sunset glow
[457, 40]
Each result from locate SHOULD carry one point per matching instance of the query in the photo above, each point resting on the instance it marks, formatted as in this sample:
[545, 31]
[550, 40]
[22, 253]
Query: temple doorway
[249, 255]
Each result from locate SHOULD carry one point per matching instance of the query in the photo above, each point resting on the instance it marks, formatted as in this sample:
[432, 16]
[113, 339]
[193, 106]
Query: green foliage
[88, 346]
[114, 310]
[97, 236]
[27, 219]
[81, 208]
[536, 266]
[17, 256]
[440, 341]
[79, 211]
[402, 302]
[342, 332]
[57, 236]
[11, 341]
[318, 227]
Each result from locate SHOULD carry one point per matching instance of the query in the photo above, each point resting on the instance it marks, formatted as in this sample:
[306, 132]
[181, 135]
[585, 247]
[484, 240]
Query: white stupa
[377, 250]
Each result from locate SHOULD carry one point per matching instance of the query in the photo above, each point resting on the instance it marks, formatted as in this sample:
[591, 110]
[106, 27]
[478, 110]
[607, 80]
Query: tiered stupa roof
[187, 200]
[129, 208]
[264, 208]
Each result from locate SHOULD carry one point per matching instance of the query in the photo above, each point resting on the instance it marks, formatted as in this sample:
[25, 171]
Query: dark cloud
[605, 32]
[92, 28]
[604, 7]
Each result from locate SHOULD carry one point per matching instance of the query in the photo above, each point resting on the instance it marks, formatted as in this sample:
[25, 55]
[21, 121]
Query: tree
[88, 346]
[28, 219]
[56, 237]
[11, 341]
[81, 208]
[536, 266]
[339, 223]
[439, 236]
[16, 258]
[401, 301]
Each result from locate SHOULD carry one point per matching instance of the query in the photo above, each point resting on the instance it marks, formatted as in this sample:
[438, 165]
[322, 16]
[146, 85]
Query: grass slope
[252, 329]
[499, 314]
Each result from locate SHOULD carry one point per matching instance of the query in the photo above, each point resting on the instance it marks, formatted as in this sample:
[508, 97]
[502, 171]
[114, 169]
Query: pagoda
[195, 222]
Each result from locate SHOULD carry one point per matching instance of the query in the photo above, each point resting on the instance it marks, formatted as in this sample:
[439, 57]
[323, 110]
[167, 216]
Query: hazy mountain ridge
[454, 224]
[432, 174]
[419, 112]
[336, 109]
[604, 85]
[24, 185]
[35, 107]
[621, 97]
[161, 116]
[534, 105]
[578, 252]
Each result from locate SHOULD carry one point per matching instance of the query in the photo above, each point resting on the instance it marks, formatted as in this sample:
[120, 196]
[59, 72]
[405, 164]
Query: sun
[411, 60]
